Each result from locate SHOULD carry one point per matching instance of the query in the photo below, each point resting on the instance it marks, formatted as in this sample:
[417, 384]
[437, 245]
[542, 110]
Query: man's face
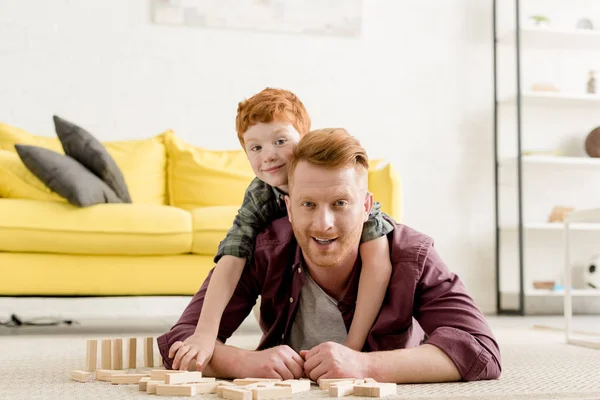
[327, 209]
[269, 147]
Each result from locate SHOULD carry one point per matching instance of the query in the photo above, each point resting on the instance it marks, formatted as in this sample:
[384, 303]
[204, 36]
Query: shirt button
[299, 270]
[283, 336]
[291, 299]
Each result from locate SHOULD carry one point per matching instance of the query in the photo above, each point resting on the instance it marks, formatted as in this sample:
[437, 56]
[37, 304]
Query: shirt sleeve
[376, 226]
[239, 307]
[254, 214]
[452, 320]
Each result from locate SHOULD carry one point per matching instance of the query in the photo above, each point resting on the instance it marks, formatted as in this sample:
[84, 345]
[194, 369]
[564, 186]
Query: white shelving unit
[549, 38]
[556, 99]
[545, 120]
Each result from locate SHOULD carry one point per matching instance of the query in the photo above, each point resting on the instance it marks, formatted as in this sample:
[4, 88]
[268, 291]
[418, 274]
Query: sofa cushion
[210, 227]
[104, 229]
[143, 162]
[81, 145]
[199, 177]
[17, 182]
[67, 177]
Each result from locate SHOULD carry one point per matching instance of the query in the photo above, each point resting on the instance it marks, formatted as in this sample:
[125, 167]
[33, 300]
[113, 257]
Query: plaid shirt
[264, 203]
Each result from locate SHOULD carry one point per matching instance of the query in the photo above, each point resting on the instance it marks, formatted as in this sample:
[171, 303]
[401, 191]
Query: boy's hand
[200, 346]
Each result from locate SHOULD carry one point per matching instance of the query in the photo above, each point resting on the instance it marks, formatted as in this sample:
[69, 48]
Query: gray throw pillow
[85, 148]
[66, 176]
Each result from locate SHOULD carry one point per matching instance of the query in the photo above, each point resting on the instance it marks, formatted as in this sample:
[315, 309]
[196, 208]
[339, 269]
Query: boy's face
[269, 147]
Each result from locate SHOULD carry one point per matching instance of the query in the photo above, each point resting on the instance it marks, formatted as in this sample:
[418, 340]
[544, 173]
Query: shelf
[545, 38]
[554, 226]
[554, 99]
[561, 293]
[542, 160]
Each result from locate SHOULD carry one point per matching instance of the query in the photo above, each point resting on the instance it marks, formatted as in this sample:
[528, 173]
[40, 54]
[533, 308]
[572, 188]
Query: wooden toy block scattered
[234, 393]
[151, 386]
[297, 385]
[375, 389]
[149, 352]
[161, 374]
[186, 389]
[143, 383]
[105, 374]
[117, 354]
[186, 377]
[341, 389]
[222, 385]
[132, 353]
[126, 379]
[326, 383]
[248, 381]
[81, 376]
[106, 356]
[274, 392]
[91, 356]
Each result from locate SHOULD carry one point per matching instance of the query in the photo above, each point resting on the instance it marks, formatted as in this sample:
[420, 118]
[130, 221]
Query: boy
[269, 124]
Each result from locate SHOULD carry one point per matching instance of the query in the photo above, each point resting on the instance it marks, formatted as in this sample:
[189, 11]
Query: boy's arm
[374, 278]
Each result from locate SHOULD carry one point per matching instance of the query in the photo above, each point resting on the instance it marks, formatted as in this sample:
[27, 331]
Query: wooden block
[341, 389]
[117, 354]
[175, 390]
[151, 386]
[325, 383]
[143, 383]
[161, 374]
[383, 389]
[185, 377]
[149, 352]
[106, 356]
[206, 387]
[363, 390]
[234, 393]
[91, 356]
[297, 385]
[248, 381]
[105, 374]
[275, 392]
[132, 353]
[370, 380]
[223, 384]
[81, 376]
[126, 379]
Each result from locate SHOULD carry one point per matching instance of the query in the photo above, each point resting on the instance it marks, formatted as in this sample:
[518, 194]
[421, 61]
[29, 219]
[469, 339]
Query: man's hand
[333, 360]
[200, 347]
[279, 362]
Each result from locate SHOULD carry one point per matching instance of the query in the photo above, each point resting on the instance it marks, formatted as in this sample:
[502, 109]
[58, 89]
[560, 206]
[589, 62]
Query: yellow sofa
[184, 201]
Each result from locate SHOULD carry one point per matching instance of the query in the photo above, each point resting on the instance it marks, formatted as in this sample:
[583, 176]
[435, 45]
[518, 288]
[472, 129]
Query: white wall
[416, 88]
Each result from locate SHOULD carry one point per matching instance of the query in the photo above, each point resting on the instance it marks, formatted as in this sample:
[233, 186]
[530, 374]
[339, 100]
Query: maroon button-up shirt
[424, 303]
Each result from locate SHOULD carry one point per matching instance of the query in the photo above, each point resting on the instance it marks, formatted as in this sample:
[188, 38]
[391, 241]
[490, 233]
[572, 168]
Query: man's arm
[280, 362]
[453, 322]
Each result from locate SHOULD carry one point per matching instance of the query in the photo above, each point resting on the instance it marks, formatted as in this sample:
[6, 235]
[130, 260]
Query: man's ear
[287, 205]
[368, 205]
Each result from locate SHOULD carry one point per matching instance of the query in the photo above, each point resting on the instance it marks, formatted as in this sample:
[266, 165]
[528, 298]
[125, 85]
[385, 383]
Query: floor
[537, 363]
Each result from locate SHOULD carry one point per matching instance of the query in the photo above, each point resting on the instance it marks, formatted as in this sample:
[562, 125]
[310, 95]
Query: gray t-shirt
[317, 320]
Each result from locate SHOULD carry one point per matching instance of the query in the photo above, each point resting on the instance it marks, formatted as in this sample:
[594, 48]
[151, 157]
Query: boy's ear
[287, 205]
[368, 205]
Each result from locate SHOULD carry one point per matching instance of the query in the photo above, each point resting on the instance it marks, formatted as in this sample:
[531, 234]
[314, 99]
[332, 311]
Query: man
[306, 268]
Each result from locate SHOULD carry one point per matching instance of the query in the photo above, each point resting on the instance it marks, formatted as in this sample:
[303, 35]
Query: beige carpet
[536, 366]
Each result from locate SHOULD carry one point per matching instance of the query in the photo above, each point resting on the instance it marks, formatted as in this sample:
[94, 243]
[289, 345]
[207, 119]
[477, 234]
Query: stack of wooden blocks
[164, 382]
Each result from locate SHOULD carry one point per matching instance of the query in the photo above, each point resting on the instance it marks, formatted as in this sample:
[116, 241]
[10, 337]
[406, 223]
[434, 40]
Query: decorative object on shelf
[591, 272]
[559, 213]
[549, 285]
[544, 87]
[585, 23]
[591, 83]
[592, 143]
[540, 21]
